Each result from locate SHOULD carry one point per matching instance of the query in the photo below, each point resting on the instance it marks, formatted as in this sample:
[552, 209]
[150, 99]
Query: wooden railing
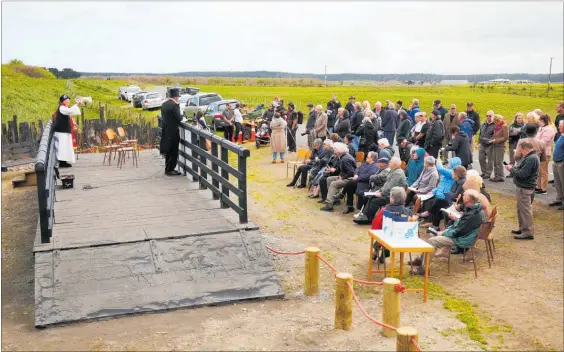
[46, 182]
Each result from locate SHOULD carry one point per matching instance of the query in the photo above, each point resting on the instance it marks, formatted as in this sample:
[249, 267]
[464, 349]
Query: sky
[349, 37]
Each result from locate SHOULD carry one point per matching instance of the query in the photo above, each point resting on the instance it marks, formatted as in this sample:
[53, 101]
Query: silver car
[152, 100]
[199, 102]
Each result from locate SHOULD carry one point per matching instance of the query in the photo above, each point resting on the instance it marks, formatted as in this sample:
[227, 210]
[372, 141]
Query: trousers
[542, 181]
[558, 171]
[301, 173]
[486, 159]
[498, 152]
[171, 159]
[525, 211]
[335, 186]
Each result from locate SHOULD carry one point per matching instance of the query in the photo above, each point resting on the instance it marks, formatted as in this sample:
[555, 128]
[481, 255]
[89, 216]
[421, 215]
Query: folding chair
[301, 156]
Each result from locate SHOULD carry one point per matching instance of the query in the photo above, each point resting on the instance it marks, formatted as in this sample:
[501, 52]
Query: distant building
[454, 81]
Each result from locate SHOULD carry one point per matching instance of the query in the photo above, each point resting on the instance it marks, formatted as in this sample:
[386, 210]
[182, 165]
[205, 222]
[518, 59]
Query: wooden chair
[127, 151]
[359, 158]
[109, 146]
[124, 140]
[301, 157]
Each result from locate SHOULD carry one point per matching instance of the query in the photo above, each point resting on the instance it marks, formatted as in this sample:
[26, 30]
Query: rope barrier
[378, 283]
[286, 253]
[416, 345]
[366, 314]
[327, 263]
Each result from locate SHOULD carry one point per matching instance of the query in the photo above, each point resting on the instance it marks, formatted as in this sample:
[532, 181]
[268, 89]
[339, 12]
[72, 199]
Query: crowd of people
[432, 169]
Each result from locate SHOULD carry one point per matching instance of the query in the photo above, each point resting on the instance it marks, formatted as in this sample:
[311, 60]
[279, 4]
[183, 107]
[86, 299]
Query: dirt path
[519, 290]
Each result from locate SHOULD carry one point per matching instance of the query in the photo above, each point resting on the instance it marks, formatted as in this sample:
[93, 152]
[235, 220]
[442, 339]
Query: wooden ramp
[134, 240]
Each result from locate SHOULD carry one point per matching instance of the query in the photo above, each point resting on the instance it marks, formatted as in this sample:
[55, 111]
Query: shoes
[273, 162]
[497, 179]
[64, 164]
[281, 161]
[555, 203]
[540, 191]
[327, 207]
[336, 202]
[444, 252]
[516, 232]
[173, 173]
[348, 210]
[509, 176]
[416, 262]
[301, 186]
[485, 177]
[290, 184]
[551, 181]
[523, 237]
[321, 201]
[313, 196]
[361, 219]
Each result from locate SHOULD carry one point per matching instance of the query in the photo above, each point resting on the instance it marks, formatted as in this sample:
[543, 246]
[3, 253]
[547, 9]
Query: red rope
[400, 288]
[280, 252]
[368, 282]
[365, 313]
[416, 345]
[327, 263]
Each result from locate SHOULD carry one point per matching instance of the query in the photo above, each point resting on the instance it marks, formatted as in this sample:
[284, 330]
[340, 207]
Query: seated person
[396, 206]
[302, 171]
[335, 184]
[406, 148]
[384, 149]
[327, 159]
[445, 184]
[459, 176]
[426, 182]
[348, 140]
[334, 137]
[474, 174]
[319, 183]
[395, 178]
[415, 165]
[476, 185]
[461, 234]
[360, 182]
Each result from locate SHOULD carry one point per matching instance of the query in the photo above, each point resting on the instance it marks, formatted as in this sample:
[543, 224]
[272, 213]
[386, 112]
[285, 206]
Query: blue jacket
[412, 113]
[467, 126]
[558, 154]
[364, 172]
[415, 166]
[447, 180]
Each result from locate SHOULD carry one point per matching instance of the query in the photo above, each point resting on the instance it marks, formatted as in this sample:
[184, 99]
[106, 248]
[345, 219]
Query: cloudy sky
[361, 37]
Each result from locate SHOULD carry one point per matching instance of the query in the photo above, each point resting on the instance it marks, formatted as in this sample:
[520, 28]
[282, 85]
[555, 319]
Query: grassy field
[34, 98]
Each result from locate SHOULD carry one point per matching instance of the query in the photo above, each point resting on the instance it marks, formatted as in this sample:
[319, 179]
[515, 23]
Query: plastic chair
[301, 156]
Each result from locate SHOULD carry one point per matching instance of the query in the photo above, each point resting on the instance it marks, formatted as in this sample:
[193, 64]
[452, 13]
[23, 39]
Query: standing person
[413, 109]
[377, 109]
[356, 121]
[399, 107]
[292, 127]
[389, 123]
[320, 128]
[310, 124]
[420, 129]
[367, 135]
[500, 136]
[449, 120]
[473, 114]
[228, 116]
[558, 167]
[343, 124]
[467, 126]
[525, 175]
[62, 131]
[404, 127]
[170, 112]
[332, 107]
[460, 145]
[515, 131]
[268, 114]
[278, 137]
[440, 108]
[559, 117]
[350, 105]
[486, 145]
[435, 134]
[546, 135]
[238, 119]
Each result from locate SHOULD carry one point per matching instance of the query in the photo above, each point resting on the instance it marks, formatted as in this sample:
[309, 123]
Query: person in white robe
[62, 137]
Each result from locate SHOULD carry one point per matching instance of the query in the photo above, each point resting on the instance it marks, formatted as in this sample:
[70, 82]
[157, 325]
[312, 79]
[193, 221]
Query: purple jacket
[364, 172]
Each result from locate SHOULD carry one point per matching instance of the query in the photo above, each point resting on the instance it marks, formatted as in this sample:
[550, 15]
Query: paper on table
[451, 210]
[425, 196]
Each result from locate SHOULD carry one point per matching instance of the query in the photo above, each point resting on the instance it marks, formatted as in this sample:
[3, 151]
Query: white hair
[340, 148]
[538, 112]
[391, 106]
[378, 103]
[367, 119]
[397, 195]
[318, 107]
[472, 172]
[340, 109]
[384, 142]
[415, 101]
[368, 113]
[532, 115]
[430, 160]
[490, 112]
[395, 161]
[327, 142]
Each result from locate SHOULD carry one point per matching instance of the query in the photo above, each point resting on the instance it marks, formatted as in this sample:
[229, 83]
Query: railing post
[403, 339]
[194, 141]
[215, 168]
[203, 174]
[311, 282]
[391, 306]
[183, 137]
[225, 175]
[242, 167]
[343, 301]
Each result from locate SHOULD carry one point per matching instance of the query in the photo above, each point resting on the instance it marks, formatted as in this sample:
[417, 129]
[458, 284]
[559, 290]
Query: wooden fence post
[343, 301]
[15, 129]
[391, 309]
[311, 284]
[403, 339]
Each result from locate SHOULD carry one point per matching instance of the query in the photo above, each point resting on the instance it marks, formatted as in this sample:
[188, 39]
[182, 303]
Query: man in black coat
[390, 123]
[170, 112]
[460, 145]
[435, 135]
[473, 114]
[332, 107]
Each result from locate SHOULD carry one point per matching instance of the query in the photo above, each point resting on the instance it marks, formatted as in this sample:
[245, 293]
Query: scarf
[498, 126]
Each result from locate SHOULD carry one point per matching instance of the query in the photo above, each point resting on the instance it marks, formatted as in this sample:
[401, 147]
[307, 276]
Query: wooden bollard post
[343, 301]
[403, 339]
[311, 284]
[391, 311]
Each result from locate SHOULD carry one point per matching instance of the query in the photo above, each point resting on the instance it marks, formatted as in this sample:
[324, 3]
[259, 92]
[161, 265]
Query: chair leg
[448, 263]
[488, 253]
[493, 243]
[474, 261]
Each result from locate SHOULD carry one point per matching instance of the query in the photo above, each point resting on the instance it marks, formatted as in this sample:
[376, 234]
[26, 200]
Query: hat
[310, 105]
[469, 103]
[531, 129]
[436, 113]
[351, 97]
[384, 160]
[63, 98]
[174, 93]
[437, 102]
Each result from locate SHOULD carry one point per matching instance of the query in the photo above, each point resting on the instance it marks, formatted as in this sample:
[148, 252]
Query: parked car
[183, 91]
[121, 93]
[213, 115]
[182, 102]
[138, 98]
[130, 91]
[200, 102]
[152, 100]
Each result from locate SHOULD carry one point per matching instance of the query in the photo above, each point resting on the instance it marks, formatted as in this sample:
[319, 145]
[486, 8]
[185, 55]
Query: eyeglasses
[489, 115]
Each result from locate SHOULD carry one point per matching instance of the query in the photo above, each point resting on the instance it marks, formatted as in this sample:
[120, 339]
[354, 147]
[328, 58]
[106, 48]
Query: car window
[152, 96]
[208, 99]
[190, 102]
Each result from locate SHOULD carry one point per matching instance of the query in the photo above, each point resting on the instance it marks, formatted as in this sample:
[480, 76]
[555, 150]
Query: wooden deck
[133, 240]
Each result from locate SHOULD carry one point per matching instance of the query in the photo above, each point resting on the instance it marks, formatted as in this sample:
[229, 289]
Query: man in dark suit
[390, 121]
[170, 112]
